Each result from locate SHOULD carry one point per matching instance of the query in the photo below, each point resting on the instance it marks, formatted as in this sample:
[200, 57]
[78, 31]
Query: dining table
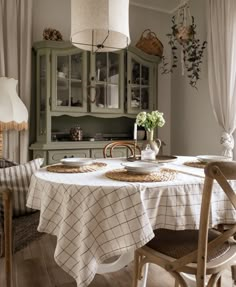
[96, 216]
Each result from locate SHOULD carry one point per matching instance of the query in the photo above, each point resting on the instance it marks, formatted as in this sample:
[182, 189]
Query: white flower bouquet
[150, 120]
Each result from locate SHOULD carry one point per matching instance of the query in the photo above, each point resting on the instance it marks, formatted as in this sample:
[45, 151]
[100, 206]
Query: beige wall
[194, 129]
[190, 125]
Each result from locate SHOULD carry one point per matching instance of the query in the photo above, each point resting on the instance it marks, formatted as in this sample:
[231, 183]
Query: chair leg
[179, 281]
[8, 237]
[137, 273]
[218, 284]
[136, 269]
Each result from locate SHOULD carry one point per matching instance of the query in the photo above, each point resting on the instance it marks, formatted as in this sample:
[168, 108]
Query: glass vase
[154, 144]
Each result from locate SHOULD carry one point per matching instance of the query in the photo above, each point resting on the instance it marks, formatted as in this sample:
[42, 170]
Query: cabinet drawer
[55, 156]
[97, 153]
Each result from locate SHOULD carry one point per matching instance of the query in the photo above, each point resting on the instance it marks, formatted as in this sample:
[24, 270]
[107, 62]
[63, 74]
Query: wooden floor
[34, 266]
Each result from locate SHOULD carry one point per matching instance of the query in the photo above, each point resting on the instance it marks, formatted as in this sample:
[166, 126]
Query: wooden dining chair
[200, 252]
[6, 196]
[132, 148]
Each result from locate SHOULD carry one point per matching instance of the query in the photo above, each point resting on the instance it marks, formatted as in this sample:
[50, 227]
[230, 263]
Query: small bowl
[61, 75]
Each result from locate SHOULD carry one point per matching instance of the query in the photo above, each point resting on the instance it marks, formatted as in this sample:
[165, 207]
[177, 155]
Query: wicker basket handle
[149, 34]
[146, 30]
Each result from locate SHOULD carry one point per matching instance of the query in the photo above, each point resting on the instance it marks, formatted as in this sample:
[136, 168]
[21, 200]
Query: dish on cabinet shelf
[211, 158]
[75, 161]
[142, 167]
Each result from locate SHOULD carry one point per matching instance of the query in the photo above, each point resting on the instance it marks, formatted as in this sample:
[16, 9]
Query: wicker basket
[150, 44]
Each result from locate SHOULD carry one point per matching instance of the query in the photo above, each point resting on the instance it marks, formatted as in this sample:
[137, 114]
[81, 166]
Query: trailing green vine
[192, 50]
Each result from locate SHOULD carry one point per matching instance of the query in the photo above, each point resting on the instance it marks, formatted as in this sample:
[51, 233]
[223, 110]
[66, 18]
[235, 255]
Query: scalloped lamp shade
[13, 112]
[100, 26]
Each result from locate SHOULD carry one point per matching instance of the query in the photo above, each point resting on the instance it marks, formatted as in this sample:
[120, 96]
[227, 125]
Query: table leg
[120, 263]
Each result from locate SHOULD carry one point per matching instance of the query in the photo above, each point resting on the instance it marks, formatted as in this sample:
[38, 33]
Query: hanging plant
[192, 50]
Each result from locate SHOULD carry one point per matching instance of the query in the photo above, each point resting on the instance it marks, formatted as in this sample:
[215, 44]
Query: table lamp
[13, 112]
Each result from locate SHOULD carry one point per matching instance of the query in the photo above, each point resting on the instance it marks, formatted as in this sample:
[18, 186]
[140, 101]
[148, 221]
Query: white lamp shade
[100, 22]
[13, 112]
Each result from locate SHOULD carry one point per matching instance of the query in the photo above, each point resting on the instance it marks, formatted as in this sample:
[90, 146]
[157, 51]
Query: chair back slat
[132, 147]
[222, 172]
[221, 179]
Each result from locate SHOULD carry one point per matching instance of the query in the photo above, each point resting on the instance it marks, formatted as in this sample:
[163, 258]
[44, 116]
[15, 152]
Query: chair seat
[24, 231]
[177, 244]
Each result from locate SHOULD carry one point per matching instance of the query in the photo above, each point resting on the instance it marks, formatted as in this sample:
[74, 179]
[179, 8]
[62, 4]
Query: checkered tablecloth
[95, 218]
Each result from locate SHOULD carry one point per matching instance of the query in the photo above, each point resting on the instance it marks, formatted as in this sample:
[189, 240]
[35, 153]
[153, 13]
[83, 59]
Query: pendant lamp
[100, 25]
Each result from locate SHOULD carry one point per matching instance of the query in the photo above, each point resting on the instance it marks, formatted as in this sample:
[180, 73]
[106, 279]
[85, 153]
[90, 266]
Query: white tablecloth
[95, 218]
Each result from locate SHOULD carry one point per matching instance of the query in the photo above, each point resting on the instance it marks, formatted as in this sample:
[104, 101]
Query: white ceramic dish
[75, 161]
[141, 167]
[211, 158]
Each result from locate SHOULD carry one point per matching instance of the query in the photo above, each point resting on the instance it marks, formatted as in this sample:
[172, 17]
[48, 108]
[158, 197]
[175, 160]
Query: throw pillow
[7, 163]
[17, 178]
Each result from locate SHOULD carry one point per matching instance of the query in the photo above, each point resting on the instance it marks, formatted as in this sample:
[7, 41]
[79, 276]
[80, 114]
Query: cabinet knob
[65, 156]
[72, 156]
[129, 81]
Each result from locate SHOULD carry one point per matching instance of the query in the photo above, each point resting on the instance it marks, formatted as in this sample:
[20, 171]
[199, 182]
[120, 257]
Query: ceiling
[166, 6]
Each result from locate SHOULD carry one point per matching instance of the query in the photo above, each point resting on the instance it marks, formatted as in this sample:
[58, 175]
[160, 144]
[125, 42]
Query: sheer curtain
[222, 67]
[15, 62]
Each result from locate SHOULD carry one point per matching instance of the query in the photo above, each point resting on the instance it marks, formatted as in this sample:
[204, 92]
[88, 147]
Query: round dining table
[96, 218]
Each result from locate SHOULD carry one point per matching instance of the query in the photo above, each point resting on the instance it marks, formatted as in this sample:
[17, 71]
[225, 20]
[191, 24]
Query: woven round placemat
[76, 169]
[197, 164]
[123, 175]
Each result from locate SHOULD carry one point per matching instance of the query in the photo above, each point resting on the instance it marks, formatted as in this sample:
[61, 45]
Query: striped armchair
[18, 223]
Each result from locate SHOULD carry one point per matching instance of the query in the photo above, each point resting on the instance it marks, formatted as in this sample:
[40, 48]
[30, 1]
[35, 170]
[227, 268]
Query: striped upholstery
[17, 178]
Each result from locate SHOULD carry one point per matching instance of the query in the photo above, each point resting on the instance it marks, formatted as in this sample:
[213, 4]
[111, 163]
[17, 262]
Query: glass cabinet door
[69, 83]
[140, 84]
[106, 82]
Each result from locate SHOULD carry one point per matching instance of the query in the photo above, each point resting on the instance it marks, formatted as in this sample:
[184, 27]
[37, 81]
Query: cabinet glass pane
[113, 68]
[113, 97]
[100, 98]
[107, 96]
[145, 98]
[135, 77]
[63, 93]
[69, 89]
[140, 86]
[43, 82]
[107, 81]
[76, 93]
[76, 66]
[42, 94]
[145, 76]
[62, 81]
[135, 98]
[101, 67]
[62, 66]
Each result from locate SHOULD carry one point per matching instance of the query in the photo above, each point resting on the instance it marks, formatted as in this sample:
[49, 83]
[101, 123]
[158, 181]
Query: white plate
[75, 161]
[141, 167]
[210, 158]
